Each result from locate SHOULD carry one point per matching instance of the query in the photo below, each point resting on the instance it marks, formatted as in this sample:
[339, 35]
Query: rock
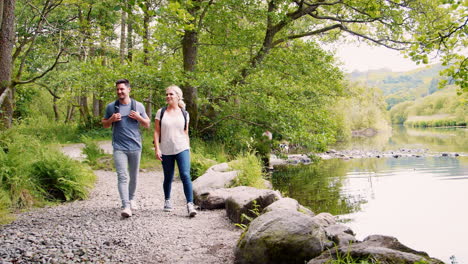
[340, 234]
[242, 201]
[288, 204]
[217, 176]
[281, 236]
[325, 219]
[383, 249]
[214, 199]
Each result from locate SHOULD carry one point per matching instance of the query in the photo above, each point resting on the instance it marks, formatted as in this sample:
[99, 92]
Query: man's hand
[116, 117]
[135, 115]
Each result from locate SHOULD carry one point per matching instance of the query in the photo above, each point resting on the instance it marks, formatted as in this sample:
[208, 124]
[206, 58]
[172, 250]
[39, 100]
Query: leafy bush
[60, 177]
[199, 165]
[250, 168]
[32, 173]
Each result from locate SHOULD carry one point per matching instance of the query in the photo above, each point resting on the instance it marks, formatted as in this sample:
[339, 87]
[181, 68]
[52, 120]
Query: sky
[362, 57]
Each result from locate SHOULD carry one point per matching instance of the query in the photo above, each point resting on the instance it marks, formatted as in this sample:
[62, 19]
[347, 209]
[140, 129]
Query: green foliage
[362, 107]
[199, 164]
[341, 258]
[246, 219]
[250, 168]
[400, 87]
[92, 151]
[32, 173]
[442, 108]
[61, 178]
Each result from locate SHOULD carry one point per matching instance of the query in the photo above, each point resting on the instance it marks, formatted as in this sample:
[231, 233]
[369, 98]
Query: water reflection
[318, 186]
[421, 201]
[434, 139]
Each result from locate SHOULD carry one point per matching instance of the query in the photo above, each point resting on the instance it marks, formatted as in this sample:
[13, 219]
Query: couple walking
[171, 143]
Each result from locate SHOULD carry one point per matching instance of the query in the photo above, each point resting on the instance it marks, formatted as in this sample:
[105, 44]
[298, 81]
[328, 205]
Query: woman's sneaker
[126, 212]
[167, 206]
[133, 205]
[191, 210]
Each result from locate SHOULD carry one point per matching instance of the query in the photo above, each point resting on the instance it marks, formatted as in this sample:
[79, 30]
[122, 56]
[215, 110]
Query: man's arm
[106, 123]
[144, 121]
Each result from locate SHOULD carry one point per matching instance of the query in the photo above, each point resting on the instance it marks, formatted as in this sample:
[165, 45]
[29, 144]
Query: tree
[7, 18]
[234, 39]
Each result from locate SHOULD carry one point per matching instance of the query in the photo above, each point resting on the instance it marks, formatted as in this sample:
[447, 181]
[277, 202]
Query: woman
[171, 142]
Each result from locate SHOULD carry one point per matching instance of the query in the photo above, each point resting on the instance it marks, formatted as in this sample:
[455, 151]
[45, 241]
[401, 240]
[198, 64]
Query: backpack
[117, 105]
[184, 113]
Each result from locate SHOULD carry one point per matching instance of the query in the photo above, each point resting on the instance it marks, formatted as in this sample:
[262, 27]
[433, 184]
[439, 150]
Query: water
[420, 201]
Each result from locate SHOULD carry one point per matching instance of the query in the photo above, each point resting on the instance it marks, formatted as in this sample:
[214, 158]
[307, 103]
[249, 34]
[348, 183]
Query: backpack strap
[132, 104]
[184, 113]
[117, 105]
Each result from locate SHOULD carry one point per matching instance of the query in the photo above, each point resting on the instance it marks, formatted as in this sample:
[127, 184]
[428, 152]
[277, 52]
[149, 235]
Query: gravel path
[92, 231]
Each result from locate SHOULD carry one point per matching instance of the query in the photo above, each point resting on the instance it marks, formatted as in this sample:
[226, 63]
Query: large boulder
[249, 201]
[383, 249]
[281, 236]
[216, 177]
[288, 204]
[340, 234]
[214, 198]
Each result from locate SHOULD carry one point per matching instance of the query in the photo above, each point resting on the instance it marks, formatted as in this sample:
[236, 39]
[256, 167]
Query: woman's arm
[157, 133]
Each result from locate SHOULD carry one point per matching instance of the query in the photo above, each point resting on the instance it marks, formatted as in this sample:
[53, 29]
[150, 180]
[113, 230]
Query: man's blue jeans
[127, 163]
[183, 162]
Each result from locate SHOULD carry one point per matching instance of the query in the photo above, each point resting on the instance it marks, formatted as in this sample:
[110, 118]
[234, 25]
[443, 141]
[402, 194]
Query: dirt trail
[92, 231]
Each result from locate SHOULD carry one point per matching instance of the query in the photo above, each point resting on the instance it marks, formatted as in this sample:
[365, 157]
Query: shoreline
[293, 159]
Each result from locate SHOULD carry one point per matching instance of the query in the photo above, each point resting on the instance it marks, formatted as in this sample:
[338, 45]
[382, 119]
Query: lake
[422, 201]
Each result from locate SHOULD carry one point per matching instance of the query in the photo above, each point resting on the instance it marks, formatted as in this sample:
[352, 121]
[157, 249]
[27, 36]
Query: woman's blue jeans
[127, 165]
[183, 162]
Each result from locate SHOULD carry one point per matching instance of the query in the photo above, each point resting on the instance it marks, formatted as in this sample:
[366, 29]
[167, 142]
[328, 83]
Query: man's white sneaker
[191, 210]
[133, 205]
[126, 212]
[167, 206]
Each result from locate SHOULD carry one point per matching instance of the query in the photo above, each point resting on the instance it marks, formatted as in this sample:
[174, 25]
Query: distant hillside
[401, 86]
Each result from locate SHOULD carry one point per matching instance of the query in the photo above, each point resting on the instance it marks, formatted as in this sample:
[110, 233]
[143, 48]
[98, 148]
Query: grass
[250, 168]
[33, 173]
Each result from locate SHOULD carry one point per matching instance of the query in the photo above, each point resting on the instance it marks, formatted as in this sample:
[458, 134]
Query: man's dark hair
[124, 81]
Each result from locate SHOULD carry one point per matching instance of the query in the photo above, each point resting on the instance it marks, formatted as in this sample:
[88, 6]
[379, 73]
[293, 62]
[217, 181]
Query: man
[125, 116]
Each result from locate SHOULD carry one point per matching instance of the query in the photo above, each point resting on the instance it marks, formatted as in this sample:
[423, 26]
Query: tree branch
[44, 73]
[315, 32]
[49, 90]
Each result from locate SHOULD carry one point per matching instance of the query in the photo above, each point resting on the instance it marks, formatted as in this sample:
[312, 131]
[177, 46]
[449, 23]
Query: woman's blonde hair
[179, 93]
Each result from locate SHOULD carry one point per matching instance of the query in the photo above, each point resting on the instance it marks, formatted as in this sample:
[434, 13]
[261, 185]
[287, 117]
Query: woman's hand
[158, 154]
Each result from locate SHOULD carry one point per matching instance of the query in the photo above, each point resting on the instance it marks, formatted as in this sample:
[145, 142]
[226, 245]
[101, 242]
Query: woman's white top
[173, 137]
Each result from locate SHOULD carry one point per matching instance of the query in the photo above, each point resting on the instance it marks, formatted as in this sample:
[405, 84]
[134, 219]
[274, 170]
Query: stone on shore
[281, 236]
[244, 199]
[216, 177]
[288, 204]
[384, 249]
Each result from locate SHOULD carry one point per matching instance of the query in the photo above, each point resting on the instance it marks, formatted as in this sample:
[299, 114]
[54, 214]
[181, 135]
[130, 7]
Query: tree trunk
[84, 111]
[146, 37]
[130, 33]
[123, 23]
[56, 112]
[190, 52]
[146, 34]
[6, 48]
[96, 105]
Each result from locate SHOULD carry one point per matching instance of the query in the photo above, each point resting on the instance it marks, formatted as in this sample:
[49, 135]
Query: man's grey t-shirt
[126, 132]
